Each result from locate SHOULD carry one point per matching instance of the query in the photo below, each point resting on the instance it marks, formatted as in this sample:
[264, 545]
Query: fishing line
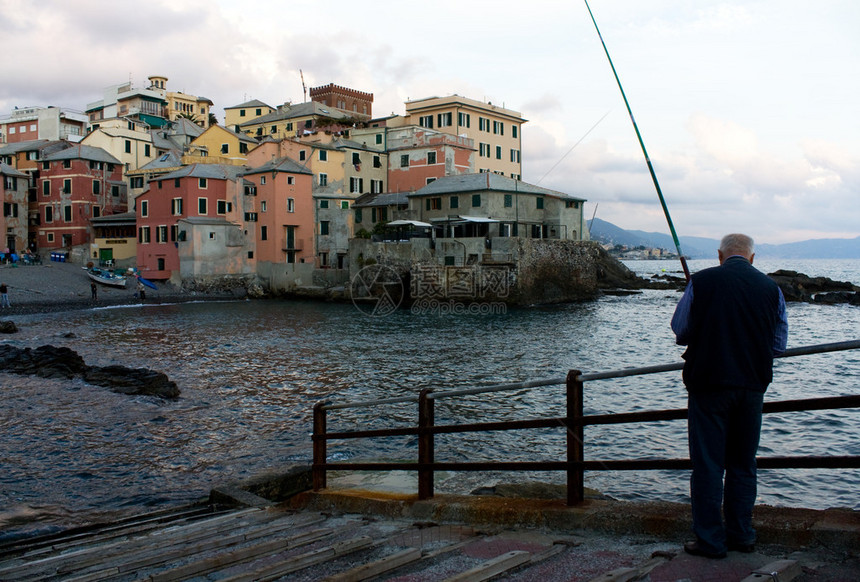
[644, 151]
[574, 146]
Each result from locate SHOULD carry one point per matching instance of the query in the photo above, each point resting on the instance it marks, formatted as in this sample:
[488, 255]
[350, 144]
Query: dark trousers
[724, 427]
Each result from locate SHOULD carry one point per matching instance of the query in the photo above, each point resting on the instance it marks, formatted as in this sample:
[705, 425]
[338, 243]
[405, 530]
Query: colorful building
[218, 145]
[128, 140]
[343, 98]
[245, 112]
[75, 185]
[188, 224]
[13, 221]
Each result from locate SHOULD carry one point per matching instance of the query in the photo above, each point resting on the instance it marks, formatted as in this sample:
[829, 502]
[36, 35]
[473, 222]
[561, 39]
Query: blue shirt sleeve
[780, 338]
[681, 318]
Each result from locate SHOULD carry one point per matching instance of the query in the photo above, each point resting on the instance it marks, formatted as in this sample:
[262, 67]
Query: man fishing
[732, 319]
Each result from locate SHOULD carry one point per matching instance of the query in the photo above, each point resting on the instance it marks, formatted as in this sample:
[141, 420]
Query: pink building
[418, 156]
[75, 185]
[283, 211]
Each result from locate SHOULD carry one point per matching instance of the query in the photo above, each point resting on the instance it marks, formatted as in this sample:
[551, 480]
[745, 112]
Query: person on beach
[94, 289]
[732, 319]
[141, 291]
[4, 296]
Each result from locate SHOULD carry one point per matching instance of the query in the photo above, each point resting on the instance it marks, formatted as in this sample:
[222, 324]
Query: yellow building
[290, 121]
[496, 131]
[180, 104]
[217, 145]
[246, 112]
[127, 140]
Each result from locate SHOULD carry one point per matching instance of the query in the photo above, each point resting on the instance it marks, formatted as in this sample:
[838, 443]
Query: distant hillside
[698, 247]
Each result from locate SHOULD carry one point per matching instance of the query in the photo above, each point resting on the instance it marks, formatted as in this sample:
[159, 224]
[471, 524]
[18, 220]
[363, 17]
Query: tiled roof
[83, 152]
[486, 181]
[251, 103]
[281, 165]
[210, 171]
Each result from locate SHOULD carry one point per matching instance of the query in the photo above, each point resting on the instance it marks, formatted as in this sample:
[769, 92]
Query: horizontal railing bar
[641, 371]
[829, 403]
[807, 462]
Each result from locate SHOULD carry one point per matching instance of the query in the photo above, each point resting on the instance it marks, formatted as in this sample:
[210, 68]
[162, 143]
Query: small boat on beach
[106, 277]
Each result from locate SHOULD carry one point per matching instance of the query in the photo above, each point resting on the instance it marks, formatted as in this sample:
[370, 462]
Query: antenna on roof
[304, 89]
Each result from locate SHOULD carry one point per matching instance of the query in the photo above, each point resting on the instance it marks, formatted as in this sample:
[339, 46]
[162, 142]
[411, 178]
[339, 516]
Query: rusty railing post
[426, 453]
[319, 440]
[575, 436]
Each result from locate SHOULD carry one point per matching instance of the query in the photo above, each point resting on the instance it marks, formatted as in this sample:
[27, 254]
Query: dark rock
[64, 363]
[8, 327]
[132, 381]
[799, 287]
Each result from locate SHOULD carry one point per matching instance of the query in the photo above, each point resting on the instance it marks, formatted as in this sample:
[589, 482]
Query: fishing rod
[644, 151]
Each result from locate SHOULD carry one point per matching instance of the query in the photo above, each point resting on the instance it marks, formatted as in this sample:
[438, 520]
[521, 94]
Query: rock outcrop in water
[64, 363]
[799, 287]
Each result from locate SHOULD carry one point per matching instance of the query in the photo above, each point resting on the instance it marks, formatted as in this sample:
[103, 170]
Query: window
[241, 113]
[484, 150]
[291, 204]
[515, 155]
[498, 128]
[243, 148]
[161, 234]
[434, 204]
[483, 124]
[509, 200]
[302, 155]
[571, 204]
[344, 204]
[404, 161]
[426, 121]
[377, 162]
[356, 185]
[498, 152]
[174, 233]
[288, 127]
[431, 158]
[67, 212]
[476, 200]
[143, 235]
[323, 156]
[463, 119]
[225, 148]
[97, 187]
[146, 150]
[46, 188]
[429, 180]
[46, 165]
[291, 179]
[263, 205]
[356, 159]
[264, 232]
[539, 202]
[144, 208]
[273, 129]
[202, 183]
[376, 186]
[67, 186]
[323, 179]
[514, 130]
[455, 202]
[259, 111]
[67, 164]
[223, 207]
[137, 182]
[444, 119]
[324, 227]
[49, 214]
[202, 205]
[323, 203]
[262, 180]
[250, 217]
[378, 138]
[50, 237]
[358, 216]
[176, 182]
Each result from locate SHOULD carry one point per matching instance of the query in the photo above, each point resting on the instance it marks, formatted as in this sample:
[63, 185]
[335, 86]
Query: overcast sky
[748, 109]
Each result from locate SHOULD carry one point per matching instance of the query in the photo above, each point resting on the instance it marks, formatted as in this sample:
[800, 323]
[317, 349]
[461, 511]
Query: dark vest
[733, 322]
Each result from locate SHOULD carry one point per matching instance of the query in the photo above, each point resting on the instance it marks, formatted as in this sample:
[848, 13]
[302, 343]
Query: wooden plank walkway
[275, 543]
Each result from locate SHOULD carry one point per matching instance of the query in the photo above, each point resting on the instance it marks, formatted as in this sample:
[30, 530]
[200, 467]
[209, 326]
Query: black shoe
[694, 549]
[742, 548]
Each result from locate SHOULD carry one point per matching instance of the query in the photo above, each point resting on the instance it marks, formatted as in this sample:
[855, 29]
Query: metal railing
[573, 423]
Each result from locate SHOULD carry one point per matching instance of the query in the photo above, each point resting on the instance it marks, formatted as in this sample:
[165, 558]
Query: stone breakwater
[64, 363]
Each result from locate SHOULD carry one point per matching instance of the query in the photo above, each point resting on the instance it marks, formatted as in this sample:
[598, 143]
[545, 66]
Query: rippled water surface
[250, 373]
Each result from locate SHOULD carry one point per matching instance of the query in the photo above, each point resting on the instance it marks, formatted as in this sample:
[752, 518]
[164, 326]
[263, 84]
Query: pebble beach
[54, 286]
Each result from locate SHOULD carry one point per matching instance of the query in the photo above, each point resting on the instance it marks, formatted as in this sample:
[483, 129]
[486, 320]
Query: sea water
[251, 371]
